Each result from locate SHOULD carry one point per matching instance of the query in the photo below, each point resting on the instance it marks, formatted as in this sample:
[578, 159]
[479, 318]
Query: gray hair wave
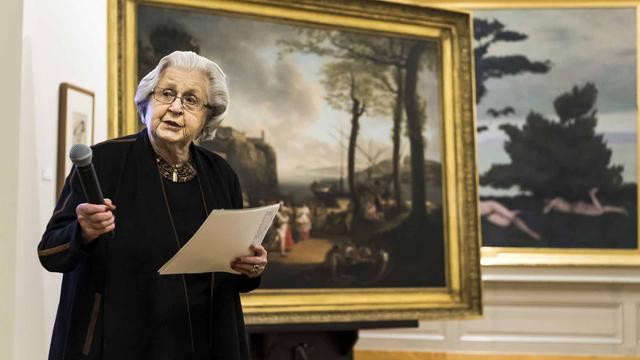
[217, 93]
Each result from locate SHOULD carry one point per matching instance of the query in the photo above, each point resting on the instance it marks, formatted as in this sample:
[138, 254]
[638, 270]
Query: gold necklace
[176, 173]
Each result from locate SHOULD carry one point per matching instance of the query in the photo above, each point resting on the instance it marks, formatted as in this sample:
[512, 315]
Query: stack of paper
[224, 236]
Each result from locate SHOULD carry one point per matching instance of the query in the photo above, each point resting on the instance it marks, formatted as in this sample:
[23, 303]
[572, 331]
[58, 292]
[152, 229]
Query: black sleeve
[62, 247]
[243, 283]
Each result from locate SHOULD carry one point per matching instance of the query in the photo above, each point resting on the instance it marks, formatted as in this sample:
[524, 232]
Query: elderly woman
[114, 304]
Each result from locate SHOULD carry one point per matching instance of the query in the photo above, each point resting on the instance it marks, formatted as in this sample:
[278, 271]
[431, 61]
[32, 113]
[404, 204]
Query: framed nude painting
[357, 117]
[557, 131]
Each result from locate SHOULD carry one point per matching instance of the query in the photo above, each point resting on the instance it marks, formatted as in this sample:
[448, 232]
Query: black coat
[113, 303]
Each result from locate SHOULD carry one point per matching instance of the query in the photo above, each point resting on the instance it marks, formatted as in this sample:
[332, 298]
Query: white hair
[217, 93]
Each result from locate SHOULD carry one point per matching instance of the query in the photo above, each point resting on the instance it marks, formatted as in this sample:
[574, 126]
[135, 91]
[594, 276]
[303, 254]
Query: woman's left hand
[251, 265]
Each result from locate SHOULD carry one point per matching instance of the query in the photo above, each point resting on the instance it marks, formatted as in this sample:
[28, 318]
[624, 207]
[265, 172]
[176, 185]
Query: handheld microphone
[80, 155]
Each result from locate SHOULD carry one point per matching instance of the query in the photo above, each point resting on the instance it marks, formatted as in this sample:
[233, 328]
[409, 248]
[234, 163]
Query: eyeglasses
[168, 96]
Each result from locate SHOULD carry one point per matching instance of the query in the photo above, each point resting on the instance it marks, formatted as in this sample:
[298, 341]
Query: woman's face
[172, 123]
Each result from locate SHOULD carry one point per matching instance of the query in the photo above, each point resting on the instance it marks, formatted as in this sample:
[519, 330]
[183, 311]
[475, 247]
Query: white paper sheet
[224, 236]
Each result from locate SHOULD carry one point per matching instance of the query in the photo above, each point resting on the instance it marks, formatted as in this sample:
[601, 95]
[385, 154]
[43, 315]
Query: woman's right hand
[95, 220]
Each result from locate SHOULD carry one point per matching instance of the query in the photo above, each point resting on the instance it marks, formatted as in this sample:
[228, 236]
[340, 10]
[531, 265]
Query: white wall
[10, 20]
[543, 310]
[62, 41]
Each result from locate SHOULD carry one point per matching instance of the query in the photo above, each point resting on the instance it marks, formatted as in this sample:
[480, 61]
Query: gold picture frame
[534, 256]
[460, 293]
[75, 125]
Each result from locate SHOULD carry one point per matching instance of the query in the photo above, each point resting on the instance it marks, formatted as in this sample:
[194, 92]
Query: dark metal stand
[332, 341]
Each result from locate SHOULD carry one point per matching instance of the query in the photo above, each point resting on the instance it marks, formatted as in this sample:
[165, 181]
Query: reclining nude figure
[583, 208]
[499, 215]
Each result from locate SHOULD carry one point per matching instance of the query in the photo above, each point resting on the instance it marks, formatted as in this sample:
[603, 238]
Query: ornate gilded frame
[451, 29]
[504, 256]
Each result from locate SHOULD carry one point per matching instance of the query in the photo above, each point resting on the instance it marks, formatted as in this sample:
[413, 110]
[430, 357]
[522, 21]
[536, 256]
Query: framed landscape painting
[557, 131]
[355, 116]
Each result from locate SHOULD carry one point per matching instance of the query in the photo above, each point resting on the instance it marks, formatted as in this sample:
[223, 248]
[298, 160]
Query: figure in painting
[79, 128]
[372, 205]
[499, 215]
[583, 208]
[284, 238]
[303, 222]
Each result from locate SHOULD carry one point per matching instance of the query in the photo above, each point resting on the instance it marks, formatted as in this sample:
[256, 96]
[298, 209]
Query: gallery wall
[60, 41]
[10, 19]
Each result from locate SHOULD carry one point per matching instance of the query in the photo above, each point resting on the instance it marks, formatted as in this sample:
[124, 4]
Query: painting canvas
[557, 127]
[325, 135]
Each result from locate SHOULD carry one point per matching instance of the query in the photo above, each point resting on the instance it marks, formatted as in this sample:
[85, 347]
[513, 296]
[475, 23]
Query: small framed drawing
[75, 125]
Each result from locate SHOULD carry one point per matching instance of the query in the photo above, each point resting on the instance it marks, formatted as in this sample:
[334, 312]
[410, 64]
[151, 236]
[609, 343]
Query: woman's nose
[176, 106]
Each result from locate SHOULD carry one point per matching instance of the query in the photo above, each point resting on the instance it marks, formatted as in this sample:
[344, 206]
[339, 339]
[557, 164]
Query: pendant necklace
[176, 173]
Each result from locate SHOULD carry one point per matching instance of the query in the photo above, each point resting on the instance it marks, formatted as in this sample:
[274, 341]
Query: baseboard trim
[418, 355]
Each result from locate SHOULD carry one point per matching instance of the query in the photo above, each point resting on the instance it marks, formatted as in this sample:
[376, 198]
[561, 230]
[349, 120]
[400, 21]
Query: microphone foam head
[80, 154]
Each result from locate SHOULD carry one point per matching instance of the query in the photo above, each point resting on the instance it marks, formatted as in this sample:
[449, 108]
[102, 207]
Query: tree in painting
[558, 158]
[488, 33]
[354, 87]
[403, 59]
[390, 83]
